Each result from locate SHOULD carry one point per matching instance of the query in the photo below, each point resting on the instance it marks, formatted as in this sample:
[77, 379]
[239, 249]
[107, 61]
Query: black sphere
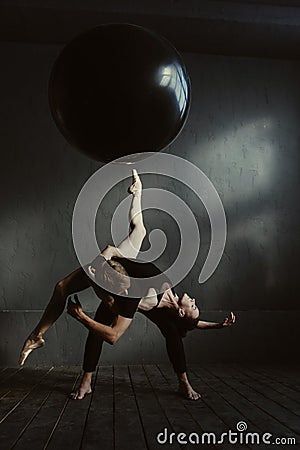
[119, 89]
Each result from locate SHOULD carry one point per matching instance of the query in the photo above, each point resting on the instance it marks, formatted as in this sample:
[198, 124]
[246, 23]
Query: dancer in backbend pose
[167, 315]
[113, 267]
[108, 272]
[174, 316]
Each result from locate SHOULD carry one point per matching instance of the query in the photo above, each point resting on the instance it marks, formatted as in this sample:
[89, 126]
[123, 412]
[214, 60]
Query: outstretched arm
[215, 325]
[110, 334]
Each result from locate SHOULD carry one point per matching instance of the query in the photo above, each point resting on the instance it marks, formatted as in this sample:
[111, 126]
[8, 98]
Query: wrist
[83, 318]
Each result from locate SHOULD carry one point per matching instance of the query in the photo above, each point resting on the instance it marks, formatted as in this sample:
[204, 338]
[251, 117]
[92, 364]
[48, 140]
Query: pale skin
[168, 301]
[77, 282]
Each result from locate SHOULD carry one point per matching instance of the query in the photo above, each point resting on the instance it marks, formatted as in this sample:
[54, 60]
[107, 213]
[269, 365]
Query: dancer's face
[188, 305]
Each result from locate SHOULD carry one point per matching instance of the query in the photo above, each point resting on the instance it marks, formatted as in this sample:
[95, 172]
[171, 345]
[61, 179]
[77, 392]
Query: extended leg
[92, 353]
[175, 349]
[75, 282]
[130, 247]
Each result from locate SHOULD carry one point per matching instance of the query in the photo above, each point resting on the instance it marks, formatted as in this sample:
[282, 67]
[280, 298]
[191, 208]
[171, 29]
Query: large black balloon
[119, 89]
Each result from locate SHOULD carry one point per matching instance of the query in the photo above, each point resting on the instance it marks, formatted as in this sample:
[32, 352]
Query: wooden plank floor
[130, 405]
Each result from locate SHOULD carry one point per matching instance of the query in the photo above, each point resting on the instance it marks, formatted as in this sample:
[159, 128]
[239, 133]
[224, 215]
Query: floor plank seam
[59, 417]
[226, 401]
[4, 395]
[32, 418]
[264, 410]
[157, 399]
[12, 374]
[275, 390]
[28, 393]
[114, 408]
[185, 406]
[88, 411]
[130, 406]
[280, 381]
[265, 396]
[138, 409]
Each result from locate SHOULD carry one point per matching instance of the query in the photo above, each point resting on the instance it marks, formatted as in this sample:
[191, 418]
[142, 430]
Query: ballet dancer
[113, 265]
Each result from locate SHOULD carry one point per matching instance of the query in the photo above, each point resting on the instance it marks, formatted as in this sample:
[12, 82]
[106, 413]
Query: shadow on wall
[242, 132]
[249, 150]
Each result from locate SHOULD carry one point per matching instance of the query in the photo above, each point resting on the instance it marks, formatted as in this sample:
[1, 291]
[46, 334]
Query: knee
[140, 228]
[61, 287]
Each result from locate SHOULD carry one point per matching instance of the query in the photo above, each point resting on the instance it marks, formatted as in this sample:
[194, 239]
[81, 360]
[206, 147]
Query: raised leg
[75, 282]
[130, 247]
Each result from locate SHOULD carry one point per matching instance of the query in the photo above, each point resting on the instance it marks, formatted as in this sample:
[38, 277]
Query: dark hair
[185, 324]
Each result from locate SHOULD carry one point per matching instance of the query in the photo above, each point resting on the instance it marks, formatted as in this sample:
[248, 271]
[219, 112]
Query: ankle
[36, 336]
[87, 377]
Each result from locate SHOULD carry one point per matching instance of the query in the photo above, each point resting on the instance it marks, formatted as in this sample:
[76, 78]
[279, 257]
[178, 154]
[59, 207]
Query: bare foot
[188, 392]
[83, 390]
[137, 184]
[31, 344]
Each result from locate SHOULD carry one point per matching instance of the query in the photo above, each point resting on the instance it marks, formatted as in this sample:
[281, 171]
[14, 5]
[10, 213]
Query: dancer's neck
[169, 300]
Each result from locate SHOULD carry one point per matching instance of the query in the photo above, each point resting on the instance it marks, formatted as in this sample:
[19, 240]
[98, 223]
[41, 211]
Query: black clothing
[167, 326]
[127, 304]
[161, 317]
[93, 345]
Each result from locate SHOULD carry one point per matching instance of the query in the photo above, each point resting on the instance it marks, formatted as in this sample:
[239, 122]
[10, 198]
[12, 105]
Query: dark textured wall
[242, 132]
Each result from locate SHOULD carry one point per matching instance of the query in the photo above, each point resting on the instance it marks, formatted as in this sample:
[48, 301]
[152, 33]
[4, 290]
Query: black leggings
[159, 316]
[93, 345]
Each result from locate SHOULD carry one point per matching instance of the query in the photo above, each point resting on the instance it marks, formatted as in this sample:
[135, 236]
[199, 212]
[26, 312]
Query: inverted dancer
[166, 314]
[117, 310]
[100, 269]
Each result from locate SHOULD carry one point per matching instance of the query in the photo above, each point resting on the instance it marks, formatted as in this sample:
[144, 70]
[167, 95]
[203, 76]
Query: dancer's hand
[74, 309]
[227, 322]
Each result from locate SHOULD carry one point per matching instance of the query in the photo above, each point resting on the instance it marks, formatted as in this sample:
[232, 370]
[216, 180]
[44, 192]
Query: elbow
[113, 339]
